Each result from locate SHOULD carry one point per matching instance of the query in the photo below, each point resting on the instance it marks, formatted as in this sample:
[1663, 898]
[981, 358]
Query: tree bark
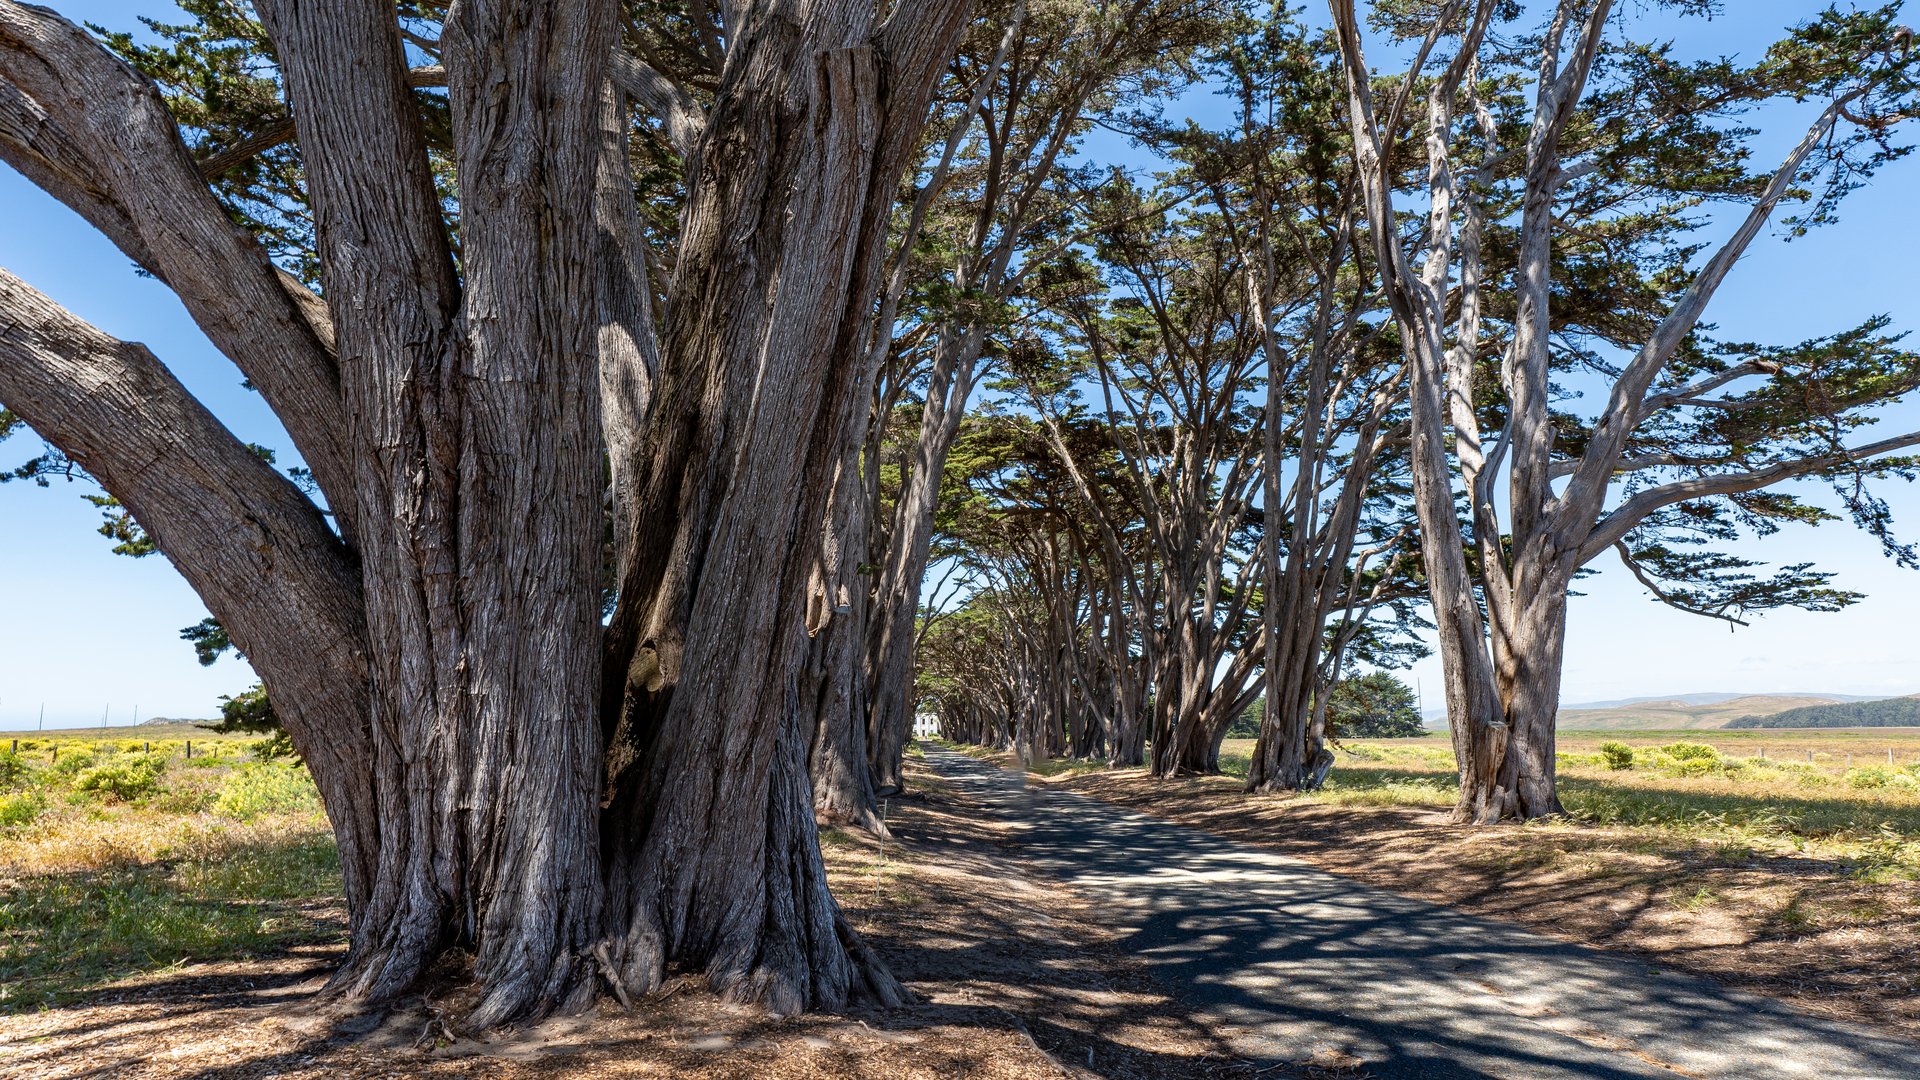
[834, 688]
[713, 864]
[472, 411]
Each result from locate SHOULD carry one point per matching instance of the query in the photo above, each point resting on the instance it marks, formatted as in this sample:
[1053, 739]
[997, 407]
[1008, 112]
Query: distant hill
[1886, 712]
[1687, 711]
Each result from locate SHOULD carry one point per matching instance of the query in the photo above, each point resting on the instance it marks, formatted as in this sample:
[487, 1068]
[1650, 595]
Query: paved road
[1293, 961]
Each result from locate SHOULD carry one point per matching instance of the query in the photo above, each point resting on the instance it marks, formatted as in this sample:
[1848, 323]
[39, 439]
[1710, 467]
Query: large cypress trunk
[713, 864]
[439, 656]
[472, 416]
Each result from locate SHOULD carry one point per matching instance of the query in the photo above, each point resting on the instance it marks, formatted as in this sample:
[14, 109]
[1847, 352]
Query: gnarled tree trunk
[438, 656]
[713, 864]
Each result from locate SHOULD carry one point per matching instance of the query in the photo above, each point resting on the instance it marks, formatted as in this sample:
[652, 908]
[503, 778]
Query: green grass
[1866, 817]
[1675, 786]
[116, 862]
[62, 934]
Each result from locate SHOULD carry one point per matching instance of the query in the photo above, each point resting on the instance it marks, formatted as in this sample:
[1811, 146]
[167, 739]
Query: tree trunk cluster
[576, 806]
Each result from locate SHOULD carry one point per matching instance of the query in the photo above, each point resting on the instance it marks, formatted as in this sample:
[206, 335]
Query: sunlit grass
[1695, 786]
[115, 861]
[1866, 816]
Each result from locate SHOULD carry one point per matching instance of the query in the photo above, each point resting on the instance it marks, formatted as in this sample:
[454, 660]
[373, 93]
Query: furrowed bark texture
[472, 415]
[440, 660]
[713, 861]
[834, 685]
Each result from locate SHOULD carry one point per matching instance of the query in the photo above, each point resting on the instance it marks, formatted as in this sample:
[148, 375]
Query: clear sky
[88, 633]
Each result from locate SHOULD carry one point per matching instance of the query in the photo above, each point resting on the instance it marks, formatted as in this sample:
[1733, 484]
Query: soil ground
[1806, 930]
[1015, 976]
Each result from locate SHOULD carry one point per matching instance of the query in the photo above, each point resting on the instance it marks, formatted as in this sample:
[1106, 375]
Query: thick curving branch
[683, 117]
[256, 550]
[95, 134]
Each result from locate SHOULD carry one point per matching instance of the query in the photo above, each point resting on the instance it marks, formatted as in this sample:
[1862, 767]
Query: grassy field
[1851, 795]
[1674, 715]
[120, 855]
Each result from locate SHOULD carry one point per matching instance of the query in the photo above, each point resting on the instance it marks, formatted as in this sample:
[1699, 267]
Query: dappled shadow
[1292, 956]
[1012, 977]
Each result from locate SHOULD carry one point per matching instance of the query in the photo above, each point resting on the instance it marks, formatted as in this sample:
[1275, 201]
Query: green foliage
[1377, 705]
[20, 809]
[275, 747]
[123, 779]
[266, 788]
[72, 763]
[1884, 776]
[247, 711]
[1690, 751]
[209, 640]
[120, 527]
[1618, 755]
[15, 770]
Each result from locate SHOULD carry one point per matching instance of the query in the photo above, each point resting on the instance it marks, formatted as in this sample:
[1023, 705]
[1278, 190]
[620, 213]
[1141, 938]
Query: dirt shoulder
[1801, 929]
[1015, 977]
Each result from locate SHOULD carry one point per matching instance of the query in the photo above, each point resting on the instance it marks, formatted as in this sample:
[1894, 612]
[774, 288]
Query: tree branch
[256, 550]
[1624, 411]
[1635, 510]
[1660, 594]
[93, 133]
[683, 117]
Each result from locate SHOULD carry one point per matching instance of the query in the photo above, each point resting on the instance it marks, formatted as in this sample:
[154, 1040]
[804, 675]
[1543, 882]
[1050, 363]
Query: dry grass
[115, 862]
[1016, 978]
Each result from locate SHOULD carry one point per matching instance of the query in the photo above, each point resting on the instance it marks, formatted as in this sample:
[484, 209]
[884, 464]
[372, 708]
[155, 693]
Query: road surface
[1293, 962]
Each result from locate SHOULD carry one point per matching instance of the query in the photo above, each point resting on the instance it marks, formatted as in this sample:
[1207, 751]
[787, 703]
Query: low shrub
[1690, 751]
[20, 809]
[1693, 766]
[122, 780]
[1872, 776]
[266, 788]
[274, 748]
[1618, 754]
[15, 770]
[73, 763]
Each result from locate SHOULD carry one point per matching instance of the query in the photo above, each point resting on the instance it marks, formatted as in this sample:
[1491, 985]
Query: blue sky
[84, 631]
